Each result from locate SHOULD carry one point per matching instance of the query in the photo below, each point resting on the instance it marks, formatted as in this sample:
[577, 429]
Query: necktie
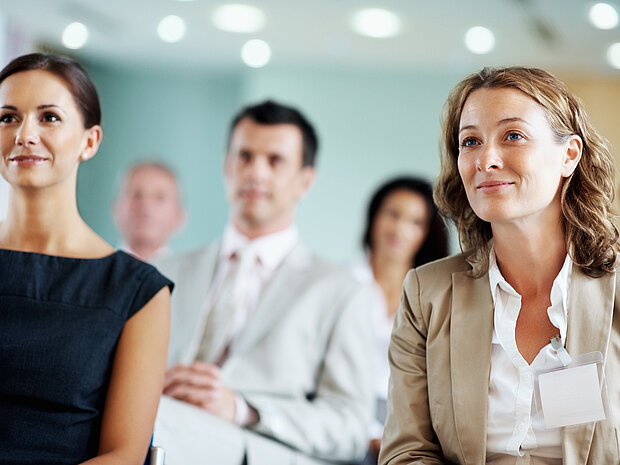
[226, 316]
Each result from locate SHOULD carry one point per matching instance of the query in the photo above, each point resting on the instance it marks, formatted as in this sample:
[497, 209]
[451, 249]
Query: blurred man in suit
[147, 210]
[266, 338]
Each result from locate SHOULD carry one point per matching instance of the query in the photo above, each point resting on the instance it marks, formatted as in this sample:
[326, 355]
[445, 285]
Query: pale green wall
[371, 126]
[179, 118]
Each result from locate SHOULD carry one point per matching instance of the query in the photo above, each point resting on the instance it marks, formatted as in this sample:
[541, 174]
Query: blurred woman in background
[403, 230]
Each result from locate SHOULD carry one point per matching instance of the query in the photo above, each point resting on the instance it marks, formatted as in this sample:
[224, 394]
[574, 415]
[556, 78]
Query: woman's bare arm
[135, 385]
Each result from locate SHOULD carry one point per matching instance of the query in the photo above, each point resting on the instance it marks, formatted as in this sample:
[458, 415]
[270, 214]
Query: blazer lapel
[471, 331]
[199, 274]
[590, 315]
[279, 295]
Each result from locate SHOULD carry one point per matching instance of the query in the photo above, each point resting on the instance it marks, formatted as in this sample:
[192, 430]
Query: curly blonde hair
[586, 196]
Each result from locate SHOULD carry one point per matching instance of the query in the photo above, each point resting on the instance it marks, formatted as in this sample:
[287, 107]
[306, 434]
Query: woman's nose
[26, 133]
[488, 158]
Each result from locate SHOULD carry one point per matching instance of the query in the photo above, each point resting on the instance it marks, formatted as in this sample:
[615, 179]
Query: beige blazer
[302, 359]
[440, 357]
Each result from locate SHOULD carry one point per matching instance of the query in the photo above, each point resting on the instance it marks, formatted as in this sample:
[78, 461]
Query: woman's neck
[530, 258]
[49, 224]
[389, 275]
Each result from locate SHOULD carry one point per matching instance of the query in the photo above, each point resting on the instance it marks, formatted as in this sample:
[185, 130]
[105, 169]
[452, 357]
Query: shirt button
[522, 427]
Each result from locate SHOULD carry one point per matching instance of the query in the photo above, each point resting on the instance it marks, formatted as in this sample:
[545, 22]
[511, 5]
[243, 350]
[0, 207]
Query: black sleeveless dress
[60, 321]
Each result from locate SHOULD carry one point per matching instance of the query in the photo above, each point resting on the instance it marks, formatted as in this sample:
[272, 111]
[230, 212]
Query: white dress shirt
[381, 324]
[515, 434]
[270, 250]
[382, 330]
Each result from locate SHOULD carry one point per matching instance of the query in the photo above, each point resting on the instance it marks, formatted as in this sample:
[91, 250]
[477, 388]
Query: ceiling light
[75, 36]
[256, 53]
[603, 16]
[236, 17]
[171, 29]
[376, 22]
[479, 40]
[613, 55]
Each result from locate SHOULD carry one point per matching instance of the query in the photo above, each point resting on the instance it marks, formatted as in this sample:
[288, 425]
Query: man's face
[148, 209]
[264, 176]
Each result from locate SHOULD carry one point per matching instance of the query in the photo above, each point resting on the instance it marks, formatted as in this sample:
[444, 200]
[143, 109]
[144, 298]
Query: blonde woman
[529, 183]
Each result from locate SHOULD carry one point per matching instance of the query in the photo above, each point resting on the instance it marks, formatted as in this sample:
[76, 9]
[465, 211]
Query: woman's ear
[574, 148]
[93, 139]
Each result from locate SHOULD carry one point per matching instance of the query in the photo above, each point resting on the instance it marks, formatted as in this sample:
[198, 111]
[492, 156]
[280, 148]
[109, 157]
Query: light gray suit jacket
[302, 359]
[440, 357]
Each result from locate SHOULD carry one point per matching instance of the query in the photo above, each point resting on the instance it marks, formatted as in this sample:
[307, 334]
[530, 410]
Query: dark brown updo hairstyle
[71, 72]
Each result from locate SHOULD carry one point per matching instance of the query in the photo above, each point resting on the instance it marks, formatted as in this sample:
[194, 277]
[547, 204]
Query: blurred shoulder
[203, 256]
[320, 273]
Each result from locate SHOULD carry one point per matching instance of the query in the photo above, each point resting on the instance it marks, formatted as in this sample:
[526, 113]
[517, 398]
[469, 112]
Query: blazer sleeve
[333, 423]
[409, 437]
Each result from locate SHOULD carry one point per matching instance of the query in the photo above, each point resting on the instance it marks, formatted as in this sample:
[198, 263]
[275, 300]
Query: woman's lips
[27, 160]
[493, 186]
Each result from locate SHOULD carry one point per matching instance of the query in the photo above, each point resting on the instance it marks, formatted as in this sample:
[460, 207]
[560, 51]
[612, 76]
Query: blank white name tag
[572, 395]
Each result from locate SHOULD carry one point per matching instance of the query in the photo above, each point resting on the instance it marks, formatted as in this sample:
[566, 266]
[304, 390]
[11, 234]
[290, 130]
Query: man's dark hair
[270, 112]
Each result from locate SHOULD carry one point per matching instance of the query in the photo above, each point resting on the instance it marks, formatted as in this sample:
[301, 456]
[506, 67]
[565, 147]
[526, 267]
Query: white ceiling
[554, 34]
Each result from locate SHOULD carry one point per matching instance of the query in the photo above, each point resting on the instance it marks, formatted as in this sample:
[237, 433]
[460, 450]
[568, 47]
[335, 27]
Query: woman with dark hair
[403, 230]
[83, 328]
[434, 242]
[500, 354]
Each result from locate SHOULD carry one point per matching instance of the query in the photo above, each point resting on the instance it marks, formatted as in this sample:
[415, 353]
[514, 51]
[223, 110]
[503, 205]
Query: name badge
[572, 394]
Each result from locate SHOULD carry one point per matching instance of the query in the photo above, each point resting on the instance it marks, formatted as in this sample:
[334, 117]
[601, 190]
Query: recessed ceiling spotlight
[256, 53]
[75, 36]
[236, 17]
[613, 55]
[376, 22]
[171, 29]
[479, 40]
[603, 16]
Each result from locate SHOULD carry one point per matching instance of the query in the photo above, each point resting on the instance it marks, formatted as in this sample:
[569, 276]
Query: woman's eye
[7, 118]
[514, 136]
[469, 142]
[50, 118]
[393, 214]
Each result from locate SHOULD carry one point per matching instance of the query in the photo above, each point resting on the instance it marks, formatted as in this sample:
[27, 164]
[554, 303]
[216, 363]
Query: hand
[374, 446]
[199, 384]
